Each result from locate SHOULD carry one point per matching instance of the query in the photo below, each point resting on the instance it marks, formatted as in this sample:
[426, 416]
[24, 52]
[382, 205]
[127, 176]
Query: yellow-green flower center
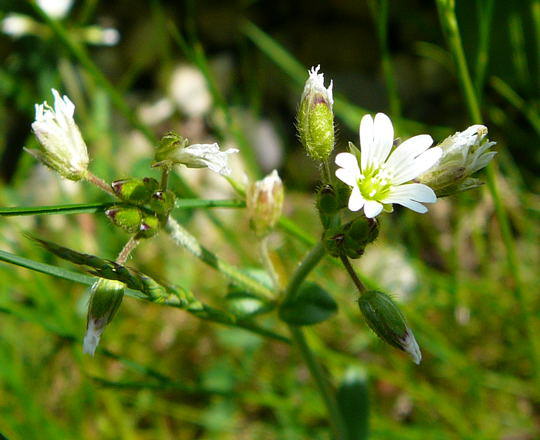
[374, 185]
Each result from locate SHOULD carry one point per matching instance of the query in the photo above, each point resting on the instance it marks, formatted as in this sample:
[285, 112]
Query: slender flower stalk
[378, 176]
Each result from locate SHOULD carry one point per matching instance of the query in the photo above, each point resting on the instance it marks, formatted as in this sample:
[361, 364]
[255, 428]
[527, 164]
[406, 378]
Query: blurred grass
[164, 374]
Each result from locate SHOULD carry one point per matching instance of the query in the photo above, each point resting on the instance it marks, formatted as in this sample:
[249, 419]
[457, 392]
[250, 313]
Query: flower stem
[325, 390]
[128, 248]
[267, 262]
[99, 182]
[352, 273]
[165, 178]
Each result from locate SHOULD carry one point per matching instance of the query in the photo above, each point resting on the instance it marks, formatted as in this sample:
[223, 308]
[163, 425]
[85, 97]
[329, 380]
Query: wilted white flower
[17, 25]
[381, 179]
[264, 200]
[189, 91]
[64, 149]
[55, 8]
[315, 85]
[204, 156]
[463, 154]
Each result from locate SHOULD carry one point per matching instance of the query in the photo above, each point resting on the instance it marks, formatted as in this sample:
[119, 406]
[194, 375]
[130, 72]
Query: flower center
[374, 185]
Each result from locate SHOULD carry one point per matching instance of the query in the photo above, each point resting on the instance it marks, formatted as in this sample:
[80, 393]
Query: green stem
[165, 178]
[449, 22]
[184, 239]
[352, 273]
[267, 262]
[325, 389]
[309, 262]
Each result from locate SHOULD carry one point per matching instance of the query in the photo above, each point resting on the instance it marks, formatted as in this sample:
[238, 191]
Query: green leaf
[311, 305]
[78, 208]
[353, 402]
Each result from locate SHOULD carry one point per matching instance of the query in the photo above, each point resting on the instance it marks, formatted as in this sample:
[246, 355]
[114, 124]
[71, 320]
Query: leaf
[55, 209]
[353, 402]
[311, 305]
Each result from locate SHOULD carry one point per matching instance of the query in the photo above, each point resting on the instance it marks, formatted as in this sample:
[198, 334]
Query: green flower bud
[327, 204]
[150, 226]
[315, 119]
[264, 200]
[463, 154]
[105, 299]
[352, 238]
[386, 320]
[128, 218]
[162, 202]
[135, 190]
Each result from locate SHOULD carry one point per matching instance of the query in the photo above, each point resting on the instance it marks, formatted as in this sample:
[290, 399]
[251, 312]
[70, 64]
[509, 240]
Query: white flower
[106, 36]
[64, 149]
[315, 85]
[55, 8]
[93, 334]
[17, 25]
[381, 179]
[204, 156]
[463, 154]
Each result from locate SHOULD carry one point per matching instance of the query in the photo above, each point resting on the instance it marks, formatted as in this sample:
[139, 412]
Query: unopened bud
[162, 202]
[135, 190]
[126, 217]
[315, 119]
[463, 154]
[264, 200]
[352, 238]
[149, 226]
[105, 299]
[386, 320]
[168, 145]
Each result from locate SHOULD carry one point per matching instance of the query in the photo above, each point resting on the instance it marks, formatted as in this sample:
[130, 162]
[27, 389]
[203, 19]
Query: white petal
[356, 201]
[347, 161]
[420, 165]
[482, 162]
[411, 346]
[366, 140]
[347, 176]
[410, 148]
[412, 191]
[92, 336]
[411, 204]
[383, 139]
[372, 208]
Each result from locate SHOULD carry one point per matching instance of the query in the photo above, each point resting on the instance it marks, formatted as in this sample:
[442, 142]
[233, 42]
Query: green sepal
[128, 218]
[134, 190]
[149, 226]
[105, 299]
[162, 202]
[167, 146]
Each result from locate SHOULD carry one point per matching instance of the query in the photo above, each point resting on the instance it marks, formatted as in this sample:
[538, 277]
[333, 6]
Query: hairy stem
[128, 248]
[352, 273]
[99, 182]
[324, 387]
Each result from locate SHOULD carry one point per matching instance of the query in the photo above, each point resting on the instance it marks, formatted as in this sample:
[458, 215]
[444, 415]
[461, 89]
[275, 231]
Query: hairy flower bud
[135, 190]
[315, 119]
[64, 149]
[162, 202]
[463, 154]
[351, 238]
[128, 218]
[386, 320]
[264, 200]
[149, 226]
[105, 299]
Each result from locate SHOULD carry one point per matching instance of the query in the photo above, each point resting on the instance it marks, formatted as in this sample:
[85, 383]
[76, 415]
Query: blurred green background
[234, 72]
